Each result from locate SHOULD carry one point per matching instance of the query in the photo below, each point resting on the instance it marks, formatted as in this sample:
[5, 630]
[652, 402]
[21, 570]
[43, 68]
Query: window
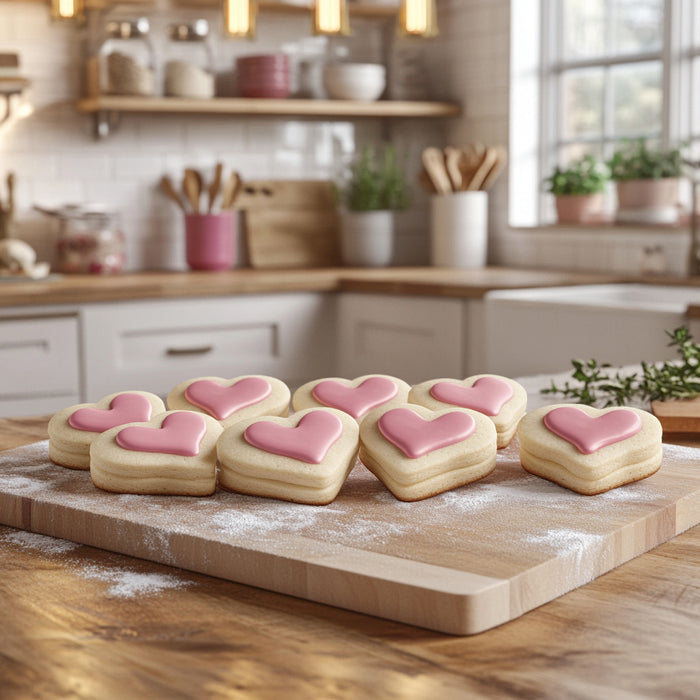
[606, 70]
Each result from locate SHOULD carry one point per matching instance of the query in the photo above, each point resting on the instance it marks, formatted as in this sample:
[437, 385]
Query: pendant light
[418, 18]
[239, 17]
[331, 17]
[67, 9]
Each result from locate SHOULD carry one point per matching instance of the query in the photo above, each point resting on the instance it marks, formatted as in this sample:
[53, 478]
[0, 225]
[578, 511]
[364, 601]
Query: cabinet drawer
[155, 345]
[39, 368]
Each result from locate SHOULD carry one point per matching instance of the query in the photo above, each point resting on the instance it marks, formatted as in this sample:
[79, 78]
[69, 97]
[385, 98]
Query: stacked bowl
[266, 75]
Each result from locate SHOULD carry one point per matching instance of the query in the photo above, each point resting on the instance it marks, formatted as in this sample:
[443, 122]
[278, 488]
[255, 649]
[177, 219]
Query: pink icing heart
[355, 401]
[180, 433]
[415, 436]
[308, 441]
[223, 401]
[487, 395]
[124, 408]
[590, 433]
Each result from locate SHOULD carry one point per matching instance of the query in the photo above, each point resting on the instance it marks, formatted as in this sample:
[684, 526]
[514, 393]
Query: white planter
[367, 238]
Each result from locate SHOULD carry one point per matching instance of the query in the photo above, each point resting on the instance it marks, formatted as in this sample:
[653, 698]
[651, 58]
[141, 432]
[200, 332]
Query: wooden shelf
[315, 109]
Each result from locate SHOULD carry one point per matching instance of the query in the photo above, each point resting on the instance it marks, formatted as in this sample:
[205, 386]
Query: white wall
[57, 160]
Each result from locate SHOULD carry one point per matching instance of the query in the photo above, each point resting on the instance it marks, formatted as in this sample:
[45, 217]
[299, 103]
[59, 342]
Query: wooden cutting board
[461, 562]
[290, 223]
[678, 417]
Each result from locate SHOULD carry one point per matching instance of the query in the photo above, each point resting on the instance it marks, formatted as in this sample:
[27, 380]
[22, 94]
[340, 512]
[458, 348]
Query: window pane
[582, 103]
[695, 99]
[637, 25]
[584, 28]
[637, 98]
[576, 151]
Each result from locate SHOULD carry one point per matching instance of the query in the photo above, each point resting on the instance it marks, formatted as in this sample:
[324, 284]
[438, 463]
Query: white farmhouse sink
[533, 331]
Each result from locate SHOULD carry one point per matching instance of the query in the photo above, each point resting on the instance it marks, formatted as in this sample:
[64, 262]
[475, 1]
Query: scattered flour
[131, 584]
[39, 543]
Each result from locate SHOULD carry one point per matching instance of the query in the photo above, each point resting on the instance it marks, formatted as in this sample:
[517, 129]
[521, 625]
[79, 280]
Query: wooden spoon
[231, 189]
[168, 189]
[487, 162]
[453, 158]
[215, 185]
[496, 169]
[434, 163]
[192, 187]
[425, 182]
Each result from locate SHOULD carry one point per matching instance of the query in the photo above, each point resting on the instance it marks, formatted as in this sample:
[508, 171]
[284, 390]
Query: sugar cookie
[590, 450]
[172, 454]
[304, 458]
[72, 429]
[354, 396]
[502, 399]
[231, 400]
[418, 452]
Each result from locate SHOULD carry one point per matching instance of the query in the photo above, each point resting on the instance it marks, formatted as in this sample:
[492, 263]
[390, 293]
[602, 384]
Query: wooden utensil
[231, 190]
[487, 162]
[215, 186]
[192, 187]
[434, 163]
[496, 168]
[453, 158]
[168, 189]
[425, 182]
[10, 208]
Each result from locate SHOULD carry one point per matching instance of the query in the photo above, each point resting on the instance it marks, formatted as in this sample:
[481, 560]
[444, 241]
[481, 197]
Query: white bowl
[354, 81]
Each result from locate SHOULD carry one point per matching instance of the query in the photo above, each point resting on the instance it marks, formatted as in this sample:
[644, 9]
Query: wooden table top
[85, 623]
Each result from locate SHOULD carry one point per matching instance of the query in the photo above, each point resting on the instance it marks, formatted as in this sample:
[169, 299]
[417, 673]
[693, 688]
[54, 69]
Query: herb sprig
[596, 384]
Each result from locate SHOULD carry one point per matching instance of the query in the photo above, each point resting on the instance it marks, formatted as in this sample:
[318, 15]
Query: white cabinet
[153, 345]
[39, 362]
[411, 337]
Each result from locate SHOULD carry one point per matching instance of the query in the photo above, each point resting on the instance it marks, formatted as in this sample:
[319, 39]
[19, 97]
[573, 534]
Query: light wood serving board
[290, 223]
[461, 562]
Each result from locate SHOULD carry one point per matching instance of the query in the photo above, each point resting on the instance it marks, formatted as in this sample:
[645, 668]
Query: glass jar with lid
[127, 58]
[189, 67]
[90, 240]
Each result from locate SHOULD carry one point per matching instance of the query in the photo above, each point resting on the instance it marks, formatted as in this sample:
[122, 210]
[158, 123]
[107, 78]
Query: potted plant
[578, 190]
[647, 182]
[374, 187]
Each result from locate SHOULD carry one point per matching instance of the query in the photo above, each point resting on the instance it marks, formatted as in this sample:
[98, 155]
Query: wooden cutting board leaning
[290, 223]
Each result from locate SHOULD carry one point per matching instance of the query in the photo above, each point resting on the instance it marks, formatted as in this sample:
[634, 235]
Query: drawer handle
[201, 350]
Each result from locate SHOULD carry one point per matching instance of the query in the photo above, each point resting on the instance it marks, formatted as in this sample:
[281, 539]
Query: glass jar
[189, 67]
[89, 241]
[127, 59]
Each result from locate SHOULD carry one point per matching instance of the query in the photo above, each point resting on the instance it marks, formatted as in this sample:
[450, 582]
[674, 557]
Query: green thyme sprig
[596, 384]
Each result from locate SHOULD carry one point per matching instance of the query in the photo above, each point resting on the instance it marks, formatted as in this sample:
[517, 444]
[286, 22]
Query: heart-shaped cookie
[124, 408]
[172, 454]
[356, 397]
[304, 458]
[590, 433]
[180, 433]
[487, 395]
[590, 450]
[416, 436]
[73, 429]
[418, 452]
[502, 399]
[309, 440]
[231, 400]
[355, 400]
[221, 400]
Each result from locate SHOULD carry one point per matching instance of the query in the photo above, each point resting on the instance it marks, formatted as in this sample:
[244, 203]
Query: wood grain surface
[68, 632]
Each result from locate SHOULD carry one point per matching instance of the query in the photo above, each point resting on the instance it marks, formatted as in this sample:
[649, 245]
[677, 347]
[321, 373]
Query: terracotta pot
[647, 194]
[578, 208]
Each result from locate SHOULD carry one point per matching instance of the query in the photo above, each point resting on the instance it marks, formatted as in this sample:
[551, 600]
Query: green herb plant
[636, 160]
[597, 385]
[583, 176]
[375, 181]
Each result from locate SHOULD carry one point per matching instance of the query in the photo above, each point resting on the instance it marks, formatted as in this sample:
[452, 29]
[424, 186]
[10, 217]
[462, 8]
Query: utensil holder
[459, 229]
[210, 241]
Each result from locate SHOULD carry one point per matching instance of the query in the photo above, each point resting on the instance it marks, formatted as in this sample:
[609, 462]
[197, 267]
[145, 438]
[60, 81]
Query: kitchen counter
[428, 281]
[87, 623]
